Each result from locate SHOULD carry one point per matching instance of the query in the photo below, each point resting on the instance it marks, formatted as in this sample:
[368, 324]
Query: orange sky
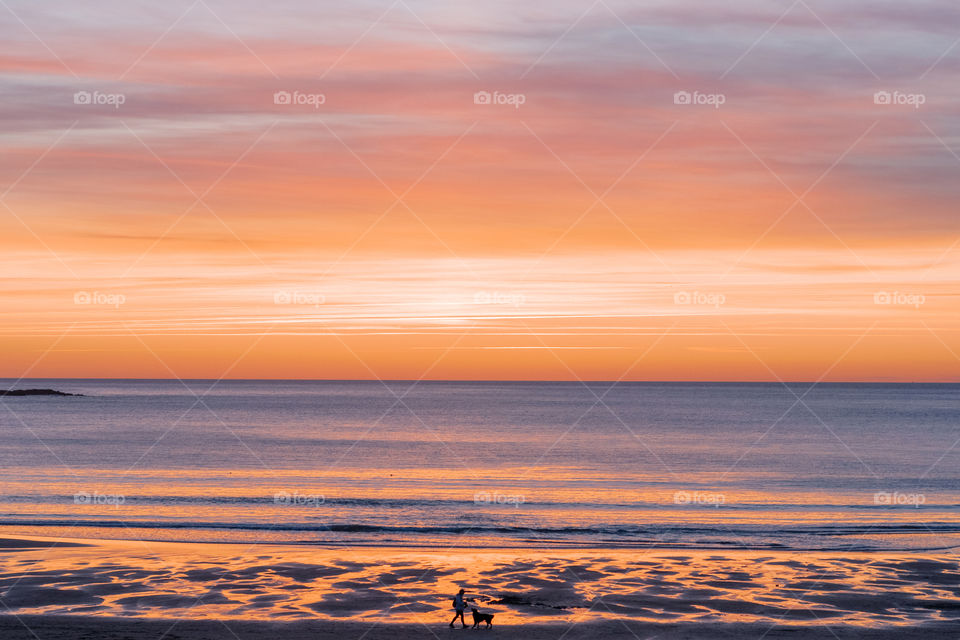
[801, 229]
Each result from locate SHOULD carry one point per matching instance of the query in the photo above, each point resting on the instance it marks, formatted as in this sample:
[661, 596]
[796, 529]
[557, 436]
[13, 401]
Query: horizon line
[486, 380]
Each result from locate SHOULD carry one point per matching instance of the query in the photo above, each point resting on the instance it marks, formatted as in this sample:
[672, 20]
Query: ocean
[829, 467]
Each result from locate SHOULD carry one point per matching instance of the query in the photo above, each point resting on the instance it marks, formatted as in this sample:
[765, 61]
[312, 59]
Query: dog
[481, 617]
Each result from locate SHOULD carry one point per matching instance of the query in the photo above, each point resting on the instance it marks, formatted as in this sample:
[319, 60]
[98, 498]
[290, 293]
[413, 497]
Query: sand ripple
[272, 582]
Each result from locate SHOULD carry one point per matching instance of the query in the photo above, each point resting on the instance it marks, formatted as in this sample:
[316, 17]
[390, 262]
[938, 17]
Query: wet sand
[7, 544]
[101, 588]
[71, 627]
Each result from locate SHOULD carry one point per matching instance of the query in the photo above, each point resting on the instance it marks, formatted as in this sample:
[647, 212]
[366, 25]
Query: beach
[320, 509]
[67, 588]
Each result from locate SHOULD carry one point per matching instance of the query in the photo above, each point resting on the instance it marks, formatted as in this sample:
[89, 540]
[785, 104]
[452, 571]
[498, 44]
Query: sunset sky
[165, 212]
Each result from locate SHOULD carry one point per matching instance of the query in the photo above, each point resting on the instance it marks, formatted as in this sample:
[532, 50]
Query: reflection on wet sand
[173, 580]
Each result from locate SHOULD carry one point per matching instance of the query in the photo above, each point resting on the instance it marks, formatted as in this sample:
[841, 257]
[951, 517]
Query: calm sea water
[449, 464]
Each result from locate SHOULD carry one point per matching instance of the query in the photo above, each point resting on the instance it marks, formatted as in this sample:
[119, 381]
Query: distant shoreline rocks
[36, 392]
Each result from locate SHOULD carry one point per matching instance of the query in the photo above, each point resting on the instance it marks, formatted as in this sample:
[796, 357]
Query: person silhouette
[459, 605]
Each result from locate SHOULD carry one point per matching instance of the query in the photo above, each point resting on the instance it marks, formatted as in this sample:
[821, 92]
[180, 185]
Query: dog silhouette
[481, 617]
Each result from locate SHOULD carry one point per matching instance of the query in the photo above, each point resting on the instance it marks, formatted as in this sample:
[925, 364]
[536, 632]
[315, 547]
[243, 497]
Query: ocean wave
[427, 503]
[627, 530]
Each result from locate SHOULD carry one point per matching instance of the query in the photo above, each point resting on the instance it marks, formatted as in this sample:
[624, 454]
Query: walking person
[459, 605]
